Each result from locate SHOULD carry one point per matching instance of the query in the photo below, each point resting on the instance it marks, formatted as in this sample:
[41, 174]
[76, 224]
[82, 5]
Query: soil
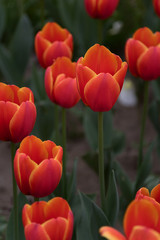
[126, 119]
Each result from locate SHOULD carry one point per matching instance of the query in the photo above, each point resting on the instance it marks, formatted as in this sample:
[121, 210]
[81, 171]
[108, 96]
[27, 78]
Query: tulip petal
[148, 64]
[41, 44]
[61, 208]
[56, 228]
[25, 94]
[106, 8]
[34, 148]
[54, 151]
[47, 175]
[141, 232]
[19, 126]
[147, 37]
[100, 60]
[57, 49]
[69, 98]
[49, 84]
[8, 109]
[133, 50]
[155, 193]
[84, 74]
[111, 233]
[63, 65]
[101, 92]
[23, 166]
[142, 192]
[120, 75]
[143, 212]
[6, 93]
[36, 231]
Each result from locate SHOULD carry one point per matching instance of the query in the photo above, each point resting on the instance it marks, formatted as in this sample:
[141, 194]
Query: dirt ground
[126, 119]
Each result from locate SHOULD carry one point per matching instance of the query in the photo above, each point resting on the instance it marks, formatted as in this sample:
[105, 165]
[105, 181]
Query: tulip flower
[18, 112]
[52, 42]
[141, 221]
[100, 9]
[144, 193]
[156, 5]
[60, 82]
[143, 54]
[38, 166]
[51, 220]
[100, 77]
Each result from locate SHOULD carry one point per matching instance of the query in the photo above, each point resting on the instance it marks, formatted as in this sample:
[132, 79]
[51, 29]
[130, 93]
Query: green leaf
[124, 183]
[72, 183]
[21, 44]
[112, 200]
[154, 112]
[22, 200]
[88, 218]
[145, 168]
[2, 20]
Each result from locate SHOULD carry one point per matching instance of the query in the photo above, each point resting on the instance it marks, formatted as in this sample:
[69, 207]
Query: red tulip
[100, 9]
[38, 166]
[52, 42]
[143, 54]
[60, 82]
[51, 220]
[156, 5]
[100, 77]
[141, 221]
[18, 112]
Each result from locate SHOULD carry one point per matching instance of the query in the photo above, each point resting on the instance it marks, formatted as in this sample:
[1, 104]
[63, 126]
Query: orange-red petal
[133, 51]
[100, 60]
[101, 92]
[148, 64]
[141, 232]
[56, 228]
[47, 175]
[155, 193]
[36, 231]
[19, 125]
[120, 74]
[111, 233]
[143, 212]
[49, 84]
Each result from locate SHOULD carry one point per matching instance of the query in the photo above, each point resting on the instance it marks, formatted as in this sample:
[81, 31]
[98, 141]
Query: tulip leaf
[72, 183]
[6, 66]
[154, 112]
[21, 44]
[22, 200]
[124, 183]
[2, 20]
[145, 168]
[112, 200]
[88, 218]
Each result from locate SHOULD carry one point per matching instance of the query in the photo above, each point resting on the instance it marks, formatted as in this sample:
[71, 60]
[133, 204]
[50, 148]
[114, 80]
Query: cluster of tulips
[96, 79]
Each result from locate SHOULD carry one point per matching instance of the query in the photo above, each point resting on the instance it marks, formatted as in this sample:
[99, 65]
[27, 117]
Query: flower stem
[144, 115]
[101, 159]
[100, 31]
[15, 199]
[36, 199]
[64, 178]
[56, 123]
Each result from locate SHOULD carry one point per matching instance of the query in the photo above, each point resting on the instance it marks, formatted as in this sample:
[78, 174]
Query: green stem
[15, 199]
[57, 123]
[64, 178]
[101, 159]
[144, 115]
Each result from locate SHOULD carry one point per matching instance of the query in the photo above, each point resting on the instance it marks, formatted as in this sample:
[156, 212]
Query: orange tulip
[100, 77]
[52, 42]
[156, 5]
[51, 220]
[60, 83]
[18, 112]
[100, 9]
[144, 193]
[38, 166]
[141, 221]
[143, 54]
